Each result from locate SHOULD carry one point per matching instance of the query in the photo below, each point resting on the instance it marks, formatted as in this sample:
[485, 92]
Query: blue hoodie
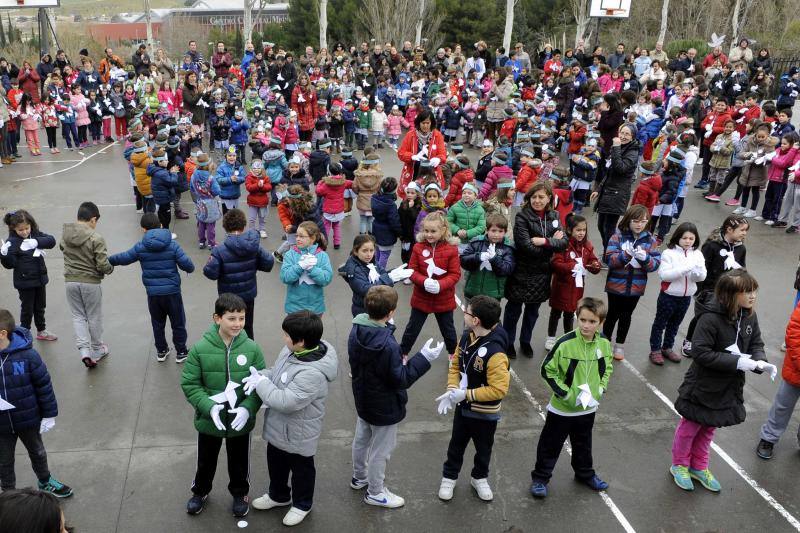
[160, 258]
[234, 264]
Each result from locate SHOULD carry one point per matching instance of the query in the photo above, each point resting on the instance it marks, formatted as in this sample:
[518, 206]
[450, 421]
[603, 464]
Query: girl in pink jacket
[82, 120]
[331, 189]
[167, 96]
[31, 117]
[394, 126]
[782, 158]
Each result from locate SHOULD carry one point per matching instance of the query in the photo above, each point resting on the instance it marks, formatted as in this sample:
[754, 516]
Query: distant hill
[110, 8]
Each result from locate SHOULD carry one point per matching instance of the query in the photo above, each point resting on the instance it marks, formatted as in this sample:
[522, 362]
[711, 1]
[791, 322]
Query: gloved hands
[737, 87]
[432, 286]
[47, 424]
[707, 134]
[709, 127]
[640, 254]
[445, 404]
[422, 154]
[458, 395]
[759, 160]
[400, 273]
[431, 352]
[767, 367]
[373, 275]
[489, 254]
[4, 248]
[214, 414]
[251, 382]
[29, 244]
[746, 364]
[770, 156]
[242, 415]
[435, 162]
[307, 262]
[406, 246]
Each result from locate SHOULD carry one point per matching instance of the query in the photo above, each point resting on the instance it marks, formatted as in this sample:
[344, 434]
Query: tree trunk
[509, 25]
[735, 23]
[323, 24]
[247, 21]
[580, 10]
[662, 32]
[418, 32]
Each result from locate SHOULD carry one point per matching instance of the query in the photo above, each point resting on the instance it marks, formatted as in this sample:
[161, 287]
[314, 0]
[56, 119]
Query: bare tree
[388, 20]
[249, 21]
[662, 32]
[323, 24]
[509, 23]
[418, 26]
[580, 11]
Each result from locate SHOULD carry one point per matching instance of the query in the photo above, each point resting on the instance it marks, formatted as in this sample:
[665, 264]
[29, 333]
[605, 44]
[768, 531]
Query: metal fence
[780, 65]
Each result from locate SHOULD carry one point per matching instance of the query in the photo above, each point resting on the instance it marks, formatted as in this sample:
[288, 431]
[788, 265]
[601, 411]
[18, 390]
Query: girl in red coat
[570, 267]
[331, 190]
[712, 125]
[304, 102]
[437, 269]
[258, 187]
[649, 187]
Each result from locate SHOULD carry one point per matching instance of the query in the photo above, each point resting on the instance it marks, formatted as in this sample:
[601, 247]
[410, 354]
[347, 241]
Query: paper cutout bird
[228, 395]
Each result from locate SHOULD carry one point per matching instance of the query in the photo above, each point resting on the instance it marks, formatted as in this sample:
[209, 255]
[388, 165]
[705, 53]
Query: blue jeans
[670, 311]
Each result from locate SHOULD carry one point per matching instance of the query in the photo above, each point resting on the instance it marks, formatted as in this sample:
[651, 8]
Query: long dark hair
[31, 511]
[15, 218]
[424, 115]
[728, 288]
[677, 235]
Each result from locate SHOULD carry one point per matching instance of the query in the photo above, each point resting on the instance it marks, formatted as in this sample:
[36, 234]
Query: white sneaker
[739, 210]
[446, 489]
[759, 218]
[483, 489]
[749, 213]
[265, 502]
[263, 234]
[769, 222]
[385, 499]
[549, 343]
[294, 516]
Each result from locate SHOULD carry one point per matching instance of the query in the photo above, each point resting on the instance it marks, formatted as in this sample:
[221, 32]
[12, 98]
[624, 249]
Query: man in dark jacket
[29, 405]
[283, 74]
[141, 60]
[380, 380]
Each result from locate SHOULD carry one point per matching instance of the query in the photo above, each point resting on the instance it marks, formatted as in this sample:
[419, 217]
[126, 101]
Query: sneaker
[538, 489]
[384, 499]
[201, 245]
[181, 214]
[713, 198]
[758, 217]
[45, 335]
[706, 478]
[482, 488]
[549, 343]
[739, 210]
[511, 352]
[278, 256]
[749, 213]
[336, 246]
[180, 357]
[56, 488]
[792, 229]
[619, 352]
[102, 352]
[294, 516]
[358, 484]
[681, 476]
[764, 449]
[162, 356]
[240, 506]
[196, 504]
[701, 185]
[265, 502]
[657, 358]
[779, 224]
[262, 234]
[769, 222]
[668, 353]
[594, 483]
[526, 349]
[686, 348]
[446, 489]
[89, 362]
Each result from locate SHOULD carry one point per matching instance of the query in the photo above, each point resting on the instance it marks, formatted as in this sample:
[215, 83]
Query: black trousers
[32, 441]
[529, 316]
[280, 464]
[555, 315]
[620, 309]
[33, 303]
[607, 225]
[465, 429]
[161, 307]
[415, 322]
[51, 136]
[165, 214]
[238, 451]
[556, 430]
[248, 318]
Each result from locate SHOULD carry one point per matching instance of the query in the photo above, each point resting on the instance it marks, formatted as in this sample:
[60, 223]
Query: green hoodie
[363, 319]
[85, 254]
[207, 371]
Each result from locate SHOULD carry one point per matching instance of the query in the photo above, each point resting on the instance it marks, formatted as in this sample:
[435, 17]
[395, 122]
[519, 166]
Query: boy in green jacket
[466, 217]
[577, 369]
[211, 382]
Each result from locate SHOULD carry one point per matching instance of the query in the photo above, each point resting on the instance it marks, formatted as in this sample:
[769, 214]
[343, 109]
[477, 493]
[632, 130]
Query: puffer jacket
[366, 183]
[675, 271]
[530, 281]
[615, 189]
[239, 129]
[457, 182]
[487, 279]
[162, 183]
[331, 189]
[274, 164]
[440, 262]
[497, 173]
[140, 162]
[470, 218]
[791, 361]
[230, 179]
[783, 159]
[235, 263]
[160, 257]
[318, 163]
[305, 287]
[623, 278]
[356, 273]
[713, 250]
[207, 371]
[25, 385]
[721, 151]
[29, 271]
[386, 226]
[670, 183]
[295, 392]
[257, 195]
[564, 294]
[712, 392]
[647, 192]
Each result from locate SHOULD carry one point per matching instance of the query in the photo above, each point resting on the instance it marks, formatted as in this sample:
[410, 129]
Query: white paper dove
[4, 405]
[585, 398]
[300, 98]
[730, 261]
[716, 40]
[578, 271]
[202, 102]
[280, 77]
[228, 395]
[91, 78]
[373, 276]
[434, 270]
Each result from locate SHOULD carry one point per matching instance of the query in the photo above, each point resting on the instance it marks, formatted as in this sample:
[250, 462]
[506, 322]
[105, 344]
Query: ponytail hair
[13, 219]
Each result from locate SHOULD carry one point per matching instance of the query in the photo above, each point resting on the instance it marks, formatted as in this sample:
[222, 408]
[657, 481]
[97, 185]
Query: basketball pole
[44, 32]
[597, 32]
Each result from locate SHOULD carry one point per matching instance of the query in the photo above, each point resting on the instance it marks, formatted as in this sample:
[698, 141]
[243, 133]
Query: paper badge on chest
[241, 359]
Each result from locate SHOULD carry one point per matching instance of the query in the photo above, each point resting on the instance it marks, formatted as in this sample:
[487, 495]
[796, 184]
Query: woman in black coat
[537, 235]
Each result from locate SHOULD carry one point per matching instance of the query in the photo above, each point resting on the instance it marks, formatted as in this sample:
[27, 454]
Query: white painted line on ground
[82, 161]
[606, 498]
[45, 161]
[795, 523]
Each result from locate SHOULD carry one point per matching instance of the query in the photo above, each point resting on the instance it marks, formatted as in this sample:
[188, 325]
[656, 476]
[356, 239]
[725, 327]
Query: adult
[483, 50]
[164, 66]
[197, 57]
[761, 63]
[308, 59]
[545, 55]
[598, 54]
[109, 60]
[425, 141]
[658, 54]
[222, 60]
[45, 68]
[141, 60]
[62, 60]
[498, 95]
[89, 78]
[682, 63]
[617, 59]
[376, 57]
[523, 57]
[29, 81]
[193, 101]
[613, 192]
[8, 69]
[741, 52]
[407, 51]
[642, 63]
[654, 73]
[283, 74]
[715, 55]
[304, 102]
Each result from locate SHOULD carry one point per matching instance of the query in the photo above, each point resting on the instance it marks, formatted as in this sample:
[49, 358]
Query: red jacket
[563, 203]
[647, 191]
[508, 128]
[457, 183]
[526, 177]
[791, 361]
[576, 136]
[741, 119]
[307, 109]
[409, 148]
[29, 83]
[445, 256]
[331, 189]
[258, 195]
[717, 122]
[564, 295]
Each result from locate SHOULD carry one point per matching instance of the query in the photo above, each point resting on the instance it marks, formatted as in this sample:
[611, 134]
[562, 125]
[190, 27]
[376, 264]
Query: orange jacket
[791, 362]
[526, 177]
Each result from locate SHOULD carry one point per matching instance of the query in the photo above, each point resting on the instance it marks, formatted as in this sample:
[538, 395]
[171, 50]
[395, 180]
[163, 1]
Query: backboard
[21, 4]
[598, 8]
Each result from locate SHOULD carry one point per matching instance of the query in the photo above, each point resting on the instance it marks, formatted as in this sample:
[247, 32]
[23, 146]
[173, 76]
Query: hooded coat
[386, 225]
[366, 183]
[615, 189]
[356, 273]
[160, 258]
[85, 254]
[234, 264]
[29, 271]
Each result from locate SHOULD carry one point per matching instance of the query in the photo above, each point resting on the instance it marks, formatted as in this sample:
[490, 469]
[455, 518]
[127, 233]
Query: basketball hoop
[610, 12]
[20, 2]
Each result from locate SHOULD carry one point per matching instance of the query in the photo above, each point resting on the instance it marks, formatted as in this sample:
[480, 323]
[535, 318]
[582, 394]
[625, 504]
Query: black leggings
[756, 192]
[620, 309]
[607, 224]
[555, 315]
[415, 322]
[165, 215]
[51, 136]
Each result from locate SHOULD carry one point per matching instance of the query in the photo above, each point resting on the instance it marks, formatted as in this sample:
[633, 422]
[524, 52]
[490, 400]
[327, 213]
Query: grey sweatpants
[780, 413]
[372, 448]
[791, 201]
[86, 304]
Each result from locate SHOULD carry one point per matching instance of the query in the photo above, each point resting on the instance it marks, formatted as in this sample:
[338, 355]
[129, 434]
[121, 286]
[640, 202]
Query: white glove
[4, 248]
[251, 382]
[770, 156]
[311, 261]
[764, 367]
[435, 162]
[29, 244]
[406, 246]
[422, 154]
[737, 87]
[214, 414]
[432, 286]
[400, 273]
[444, 403]
[491, 252]
[627, 247]
[242, 415]
[430, 352]
[793, 94]
[48, 424]
[744, 364]
[458, 395]
[743, 110]
[373, 275]
[709, 127]
[640, 254]
[485, 256]
[707, 135]
[759, 160]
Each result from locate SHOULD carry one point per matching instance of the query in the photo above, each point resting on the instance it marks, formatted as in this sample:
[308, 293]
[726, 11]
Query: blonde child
[378, 124]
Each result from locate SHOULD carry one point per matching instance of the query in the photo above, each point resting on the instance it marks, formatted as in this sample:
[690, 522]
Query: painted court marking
[67, 169]
[795, 523]
[606, 498]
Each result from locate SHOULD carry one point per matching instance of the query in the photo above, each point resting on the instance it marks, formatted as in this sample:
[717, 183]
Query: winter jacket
[380, 378]
[470, 218]
[162, 183]
[305, 287]
[625, 279]
[257, 195]
[356, 274]
[721, 151]
[498, 99]
[530, 281]
[408, 219]
[220, 127]
[25, 385]
[615, 189]
[230, 179]
[426, 260]
[791, 361]
[386, 225]
[484, 362]
[457, 182]
[160, 258]
[490, 278]
[670, 183]
[318, 165]
[234, 264]
[712, 392]
[141, 161]
[295, 392]
[299, 178]
[788, 92]
[331, 189]
[451, 118]
[210, 367]
[571, 362]
[366, 183]
[274, 164]
[239, 129]
[497, 173]
[585, 167]
[394, 125]
[564, 293]
[647, 192]
[675, 271]
[30, 272]
[85, 254]
[754, 171]
[713, 250]
[717, 123]
[783, 159]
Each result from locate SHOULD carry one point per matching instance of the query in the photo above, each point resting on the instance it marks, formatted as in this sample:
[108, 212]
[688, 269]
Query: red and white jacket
[680, 270]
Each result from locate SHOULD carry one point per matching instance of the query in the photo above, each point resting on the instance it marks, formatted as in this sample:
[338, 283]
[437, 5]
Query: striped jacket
[484, 361]
[624, 278]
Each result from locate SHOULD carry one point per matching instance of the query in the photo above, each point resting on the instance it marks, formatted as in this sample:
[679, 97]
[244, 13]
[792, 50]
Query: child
[294, 174]
[220, 126]
[230, 176]
[85, 265]
[205, 191]
[394, 126]
[721, 151]
[50, 122]
[784, 157]
[726, 343]
[584, 172]
[141, 161]
[434, 260]
[27, 388]
[275, 164]
[163, 183]
[377, 126]
[630, 255]
[462, 176]
[67, 115]
[466, 217]
[570, 267]
[672, 174]
[756, 153]
[791, 200]
[477, 381]
[331, 189]
[22, 253]
[380, 379]
[649, 187]
[431, 201]
[161, 257]
[386, 225]
[240, 127]
[221, 358]
[295, 390]
[489, 260]
[363, 123]
[235, 263]
[577, 369]
[682, 266]
[319, 160]
[306, 270]
[258, 186]
[500, 169]
[31, 117]
[294, 208]
[366, 183]
[409, 211]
